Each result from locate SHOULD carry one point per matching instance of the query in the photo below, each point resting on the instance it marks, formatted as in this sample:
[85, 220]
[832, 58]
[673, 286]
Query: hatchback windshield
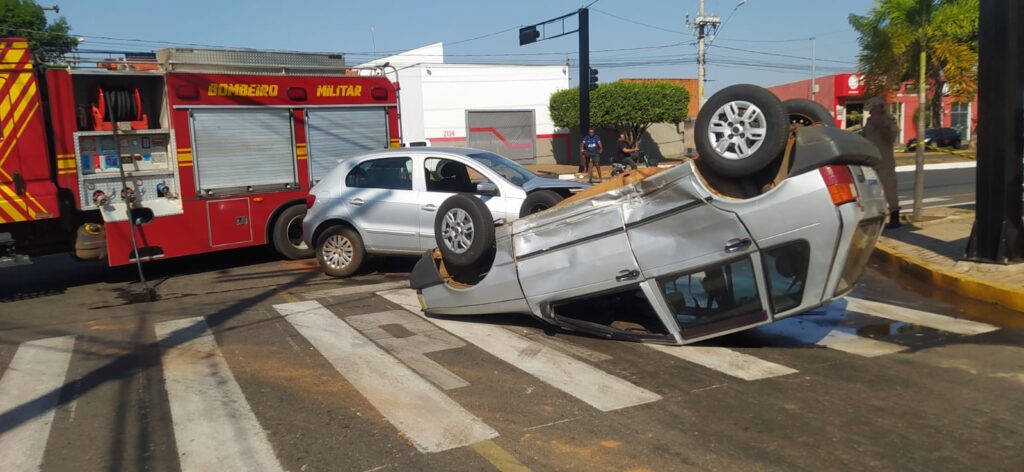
[505, 167]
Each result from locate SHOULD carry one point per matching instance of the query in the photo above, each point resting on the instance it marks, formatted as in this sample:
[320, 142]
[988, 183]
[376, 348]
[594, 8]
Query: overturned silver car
[679, 255]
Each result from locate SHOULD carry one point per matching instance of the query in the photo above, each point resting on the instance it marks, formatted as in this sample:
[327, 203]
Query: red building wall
[839, 91]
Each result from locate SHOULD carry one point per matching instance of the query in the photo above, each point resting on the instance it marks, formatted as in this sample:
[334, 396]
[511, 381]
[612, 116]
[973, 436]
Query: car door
[700, 261]
[383, 205]
[441, 177]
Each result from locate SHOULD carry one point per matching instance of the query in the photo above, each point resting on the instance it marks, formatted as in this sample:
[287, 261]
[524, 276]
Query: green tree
[895, 33]
[627, 107]
[25, 19]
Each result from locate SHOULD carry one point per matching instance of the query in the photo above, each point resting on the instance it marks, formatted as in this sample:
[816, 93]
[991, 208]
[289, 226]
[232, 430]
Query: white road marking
[214, 427]
[727, 361]
[355, 289]
[424, 414]
[29, 391]
[583, 381]
[560, 344]
[427, 338]
[861, 346]
[939, 166]
[918, 317]
[925, 200]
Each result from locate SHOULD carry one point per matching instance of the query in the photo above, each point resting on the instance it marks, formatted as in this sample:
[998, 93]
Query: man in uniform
[882, 130]
[591, 148]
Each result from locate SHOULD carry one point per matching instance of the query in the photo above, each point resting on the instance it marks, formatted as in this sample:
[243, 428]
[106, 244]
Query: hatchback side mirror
[486, 188]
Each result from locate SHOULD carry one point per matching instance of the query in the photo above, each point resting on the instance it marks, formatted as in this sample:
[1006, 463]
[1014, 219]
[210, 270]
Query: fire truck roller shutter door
[236, 149]
[335, 133]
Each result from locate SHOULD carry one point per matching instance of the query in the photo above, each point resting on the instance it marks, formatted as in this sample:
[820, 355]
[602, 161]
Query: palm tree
[895, 33]
[930, 42]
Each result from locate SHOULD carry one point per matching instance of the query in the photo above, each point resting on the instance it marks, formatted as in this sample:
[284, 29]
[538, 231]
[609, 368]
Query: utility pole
[814, 72]
[705, 26]
[919, 157]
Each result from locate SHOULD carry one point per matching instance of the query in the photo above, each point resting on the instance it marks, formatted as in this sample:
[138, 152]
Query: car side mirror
[486, 188]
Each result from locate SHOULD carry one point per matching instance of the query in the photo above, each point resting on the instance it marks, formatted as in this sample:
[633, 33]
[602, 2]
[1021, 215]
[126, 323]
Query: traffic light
[528, 35]
[593, 78]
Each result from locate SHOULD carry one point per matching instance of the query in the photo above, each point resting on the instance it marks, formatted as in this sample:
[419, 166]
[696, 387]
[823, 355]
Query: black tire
[804, 112]
[463, 230]
[539, 201]
[287, 234]
[733, 161]
[340, 251]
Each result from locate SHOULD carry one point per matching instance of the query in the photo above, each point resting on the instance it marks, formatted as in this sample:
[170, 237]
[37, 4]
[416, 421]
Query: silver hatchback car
[772, 220]
[384, 202]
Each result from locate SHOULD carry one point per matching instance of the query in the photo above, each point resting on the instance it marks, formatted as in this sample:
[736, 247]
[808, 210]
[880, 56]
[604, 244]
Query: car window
[786, 271]
[713, 294]
[390, 172]
[505, 167]
[447, 175]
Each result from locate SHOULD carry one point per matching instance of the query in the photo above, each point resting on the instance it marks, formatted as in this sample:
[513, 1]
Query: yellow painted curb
[1009, 296]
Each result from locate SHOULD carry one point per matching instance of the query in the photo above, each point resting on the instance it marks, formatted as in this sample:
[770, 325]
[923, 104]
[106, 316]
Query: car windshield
[505, 167]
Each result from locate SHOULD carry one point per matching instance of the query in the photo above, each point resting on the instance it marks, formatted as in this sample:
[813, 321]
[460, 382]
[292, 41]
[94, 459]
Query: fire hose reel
[123, 105]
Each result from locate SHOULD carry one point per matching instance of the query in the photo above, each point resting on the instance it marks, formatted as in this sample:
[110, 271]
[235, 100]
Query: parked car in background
[676, 256]
[384, 202]
[937, 137]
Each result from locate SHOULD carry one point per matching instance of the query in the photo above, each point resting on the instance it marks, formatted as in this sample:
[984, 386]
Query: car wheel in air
[287, 234]
[340, 251]
[463, 230]
[740, 130]
[539, 201]
[804, 112]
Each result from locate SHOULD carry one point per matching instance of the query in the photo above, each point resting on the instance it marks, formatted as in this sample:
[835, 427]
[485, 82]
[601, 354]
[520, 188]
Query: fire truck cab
[216, 148]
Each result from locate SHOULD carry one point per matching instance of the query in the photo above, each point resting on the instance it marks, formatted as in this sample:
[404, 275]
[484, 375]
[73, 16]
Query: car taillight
[310, 200]
[839, 181]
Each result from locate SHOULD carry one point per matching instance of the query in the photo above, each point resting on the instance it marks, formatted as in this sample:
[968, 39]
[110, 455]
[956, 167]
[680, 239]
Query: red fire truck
[211, 149]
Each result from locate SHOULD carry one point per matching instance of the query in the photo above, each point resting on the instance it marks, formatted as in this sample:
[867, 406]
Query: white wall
[449, 90]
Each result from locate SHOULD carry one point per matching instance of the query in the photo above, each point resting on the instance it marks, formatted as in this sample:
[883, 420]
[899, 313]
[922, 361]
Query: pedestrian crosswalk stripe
[727, 361]
[355, 289]
[214, 427]
[918, 317]
[29, 392]
[424, 414]
[858, 345]
[583, 381]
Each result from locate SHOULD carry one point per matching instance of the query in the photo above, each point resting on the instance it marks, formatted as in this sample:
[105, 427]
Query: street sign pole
[584, 34]
[998, 233]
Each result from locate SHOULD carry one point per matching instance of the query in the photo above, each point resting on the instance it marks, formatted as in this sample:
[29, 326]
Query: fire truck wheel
[287, 235]
[340, 251]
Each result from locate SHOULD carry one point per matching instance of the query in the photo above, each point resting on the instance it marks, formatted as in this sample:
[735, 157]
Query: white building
[498, 107]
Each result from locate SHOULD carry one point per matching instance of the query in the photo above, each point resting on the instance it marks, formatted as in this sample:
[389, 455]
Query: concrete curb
[1009, 296]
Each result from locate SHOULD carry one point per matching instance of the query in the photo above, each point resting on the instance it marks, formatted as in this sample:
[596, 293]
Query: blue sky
[751, 47]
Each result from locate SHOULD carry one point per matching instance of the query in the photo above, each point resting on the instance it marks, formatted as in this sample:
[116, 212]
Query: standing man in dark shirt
[591, 147]
[627, 153]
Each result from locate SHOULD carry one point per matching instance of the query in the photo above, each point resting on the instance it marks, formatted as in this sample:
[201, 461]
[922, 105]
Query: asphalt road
[249, 363]
[943, 187]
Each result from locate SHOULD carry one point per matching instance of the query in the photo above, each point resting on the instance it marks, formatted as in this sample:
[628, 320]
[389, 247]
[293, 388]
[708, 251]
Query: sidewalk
[932, 251]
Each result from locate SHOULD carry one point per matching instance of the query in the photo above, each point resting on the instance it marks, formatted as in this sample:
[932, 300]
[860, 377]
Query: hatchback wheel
[740, 130]
[463, 230]
[340, 251]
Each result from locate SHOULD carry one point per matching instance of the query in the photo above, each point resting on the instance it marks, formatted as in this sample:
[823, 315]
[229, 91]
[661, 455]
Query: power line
[637, 22]
[784, 55]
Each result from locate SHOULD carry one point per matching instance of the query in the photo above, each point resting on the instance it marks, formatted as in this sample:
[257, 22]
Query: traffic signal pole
[998, 233]
[588, 77]
[584, 34]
